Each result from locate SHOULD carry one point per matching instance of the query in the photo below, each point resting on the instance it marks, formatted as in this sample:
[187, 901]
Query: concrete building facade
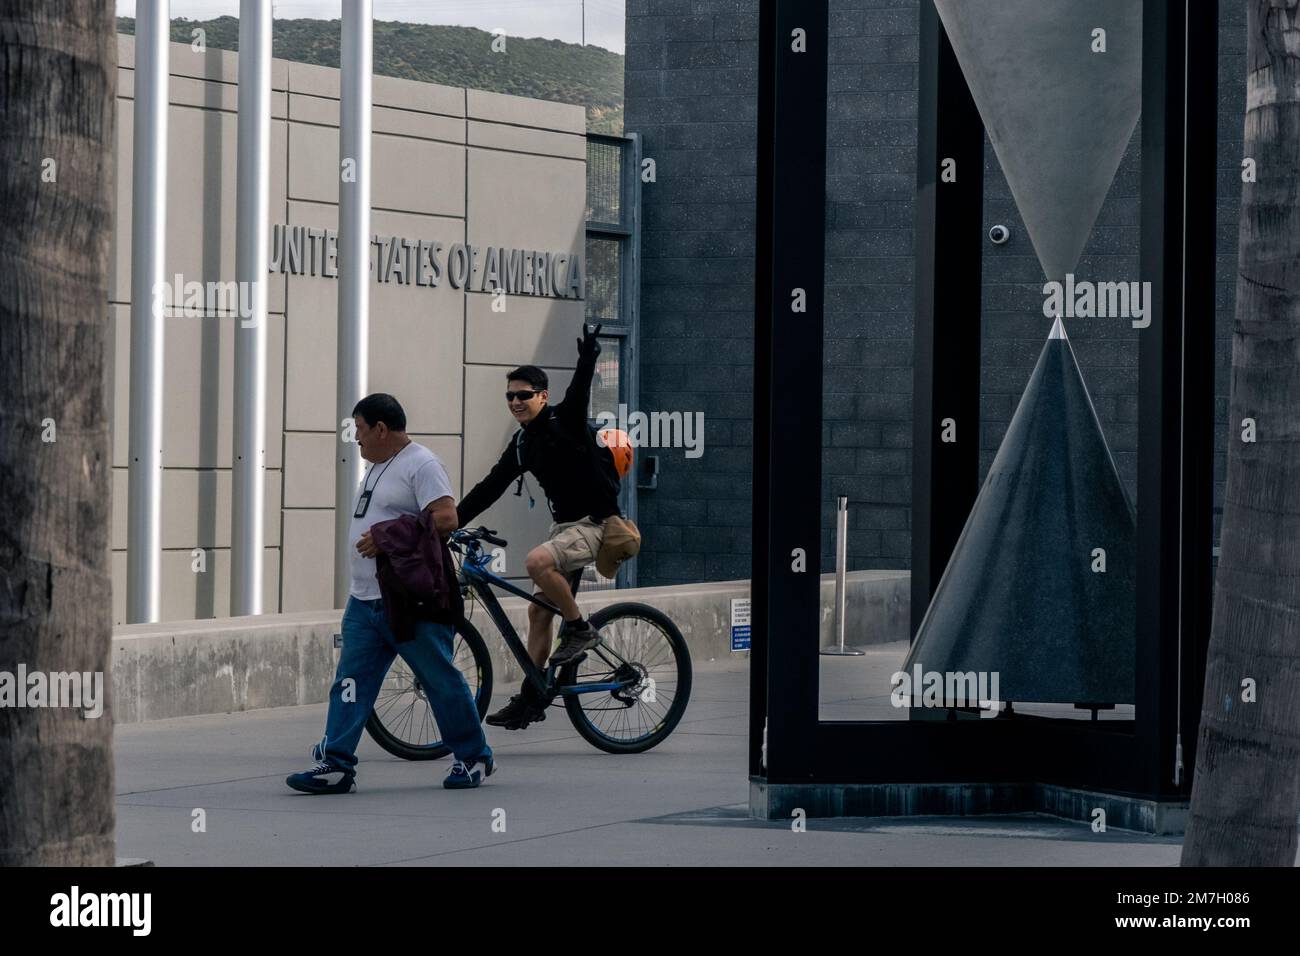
[462, 179]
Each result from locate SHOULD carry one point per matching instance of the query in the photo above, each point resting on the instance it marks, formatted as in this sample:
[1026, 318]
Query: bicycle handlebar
[481, 533]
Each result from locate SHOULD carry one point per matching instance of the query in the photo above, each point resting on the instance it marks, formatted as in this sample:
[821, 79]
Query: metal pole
[841, 571]
[148, 234]
[630, 288]
[789, 253]
[1198, 370]
[253, 191]
[1159, 486]
[354, 268]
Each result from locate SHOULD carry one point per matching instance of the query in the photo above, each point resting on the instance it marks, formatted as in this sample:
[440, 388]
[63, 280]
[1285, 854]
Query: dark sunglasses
[522, 396]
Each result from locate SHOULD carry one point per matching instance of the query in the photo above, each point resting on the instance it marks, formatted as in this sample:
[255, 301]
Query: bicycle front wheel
[402, 721]
[642, 652]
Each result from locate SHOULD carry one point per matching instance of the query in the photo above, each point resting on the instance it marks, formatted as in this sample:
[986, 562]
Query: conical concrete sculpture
[1039, 588]
[1058, 85]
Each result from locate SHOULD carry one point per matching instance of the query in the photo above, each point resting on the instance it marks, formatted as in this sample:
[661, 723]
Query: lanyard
[363, 502]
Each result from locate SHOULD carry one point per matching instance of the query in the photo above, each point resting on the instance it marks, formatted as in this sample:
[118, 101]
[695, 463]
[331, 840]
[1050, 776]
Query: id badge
[363, 504]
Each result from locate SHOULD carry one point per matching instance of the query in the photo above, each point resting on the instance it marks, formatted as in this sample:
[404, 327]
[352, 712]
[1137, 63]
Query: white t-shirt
[403, 485]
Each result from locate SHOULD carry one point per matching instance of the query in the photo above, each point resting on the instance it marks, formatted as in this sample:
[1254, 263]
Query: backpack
[605, 459]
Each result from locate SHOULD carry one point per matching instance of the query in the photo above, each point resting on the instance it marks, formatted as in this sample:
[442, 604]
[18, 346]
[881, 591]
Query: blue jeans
[369, 649]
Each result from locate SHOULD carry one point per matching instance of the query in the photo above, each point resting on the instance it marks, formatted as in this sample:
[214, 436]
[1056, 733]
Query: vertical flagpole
[148, 237]
[252, 192]
[354, 268]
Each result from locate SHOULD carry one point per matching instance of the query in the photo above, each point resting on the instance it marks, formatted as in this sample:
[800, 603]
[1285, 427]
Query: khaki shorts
[574, 544]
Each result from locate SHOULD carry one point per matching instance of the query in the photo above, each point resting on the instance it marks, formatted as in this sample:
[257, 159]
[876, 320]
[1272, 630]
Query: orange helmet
[620, 446]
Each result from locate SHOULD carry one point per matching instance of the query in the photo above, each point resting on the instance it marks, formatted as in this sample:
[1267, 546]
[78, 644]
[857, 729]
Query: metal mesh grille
[604, 257]
[604, 182]
[605, 384]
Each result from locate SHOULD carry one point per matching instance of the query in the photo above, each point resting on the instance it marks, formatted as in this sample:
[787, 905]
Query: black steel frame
[626, 326]
[1176, 389]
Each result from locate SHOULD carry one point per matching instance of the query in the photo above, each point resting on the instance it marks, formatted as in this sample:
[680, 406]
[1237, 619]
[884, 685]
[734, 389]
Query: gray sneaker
[574, 644]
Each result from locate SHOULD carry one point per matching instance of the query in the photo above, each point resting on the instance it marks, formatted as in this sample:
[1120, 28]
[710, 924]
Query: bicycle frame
[474, 570]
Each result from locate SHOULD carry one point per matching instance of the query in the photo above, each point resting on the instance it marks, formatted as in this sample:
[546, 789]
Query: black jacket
[560, 449]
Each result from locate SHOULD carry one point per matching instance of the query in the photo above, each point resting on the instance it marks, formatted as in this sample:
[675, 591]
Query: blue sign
[740, 624]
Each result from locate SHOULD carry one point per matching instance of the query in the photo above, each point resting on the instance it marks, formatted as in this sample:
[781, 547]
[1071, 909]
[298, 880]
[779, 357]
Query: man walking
[556, 444]
[404, 478]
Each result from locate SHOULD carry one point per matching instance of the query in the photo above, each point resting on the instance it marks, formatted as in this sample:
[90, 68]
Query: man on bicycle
[556, 444]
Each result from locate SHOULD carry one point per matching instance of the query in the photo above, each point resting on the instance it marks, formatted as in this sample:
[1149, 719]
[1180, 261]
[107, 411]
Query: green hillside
[454, 56]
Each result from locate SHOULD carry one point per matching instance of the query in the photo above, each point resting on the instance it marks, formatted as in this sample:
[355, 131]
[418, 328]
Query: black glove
[589, 344]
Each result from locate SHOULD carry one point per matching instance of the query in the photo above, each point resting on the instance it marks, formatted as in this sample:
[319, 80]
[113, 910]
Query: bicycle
[641, 659]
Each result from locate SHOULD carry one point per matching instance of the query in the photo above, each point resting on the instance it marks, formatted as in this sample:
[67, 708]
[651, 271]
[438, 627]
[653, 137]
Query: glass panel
[866, 389]
[1035, 609]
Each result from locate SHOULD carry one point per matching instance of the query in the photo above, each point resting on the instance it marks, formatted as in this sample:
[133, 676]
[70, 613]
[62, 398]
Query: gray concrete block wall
[691, 73]
[691, 93]
[450, 165]
[871, 114]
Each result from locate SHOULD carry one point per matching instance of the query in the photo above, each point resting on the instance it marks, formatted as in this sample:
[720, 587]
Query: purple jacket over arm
[417, 579]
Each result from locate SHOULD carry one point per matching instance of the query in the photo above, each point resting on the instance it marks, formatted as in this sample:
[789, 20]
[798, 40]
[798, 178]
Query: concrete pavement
[561, 801]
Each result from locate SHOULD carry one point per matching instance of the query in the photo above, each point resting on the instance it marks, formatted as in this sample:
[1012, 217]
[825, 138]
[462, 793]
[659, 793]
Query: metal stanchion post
[841, 568]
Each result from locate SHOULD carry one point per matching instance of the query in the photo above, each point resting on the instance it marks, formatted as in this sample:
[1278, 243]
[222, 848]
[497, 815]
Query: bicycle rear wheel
[641, 648]
[402, 721]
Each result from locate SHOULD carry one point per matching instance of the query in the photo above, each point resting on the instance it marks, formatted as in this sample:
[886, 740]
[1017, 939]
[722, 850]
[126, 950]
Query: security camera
[999, 234]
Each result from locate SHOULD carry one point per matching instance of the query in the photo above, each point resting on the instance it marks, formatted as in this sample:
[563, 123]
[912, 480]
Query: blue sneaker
[325, 777]
[468, 774]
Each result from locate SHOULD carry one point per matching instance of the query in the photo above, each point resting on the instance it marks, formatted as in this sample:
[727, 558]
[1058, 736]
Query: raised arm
[577, 397]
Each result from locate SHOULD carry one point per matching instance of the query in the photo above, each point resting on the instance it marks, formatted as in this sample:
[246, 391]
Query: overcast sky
[552, 19]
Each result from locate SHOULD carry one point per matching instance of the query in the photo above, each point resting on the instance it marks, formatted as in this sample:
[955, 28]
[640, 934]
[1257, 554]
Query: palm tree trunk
[1246, 790]
[58, 80]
